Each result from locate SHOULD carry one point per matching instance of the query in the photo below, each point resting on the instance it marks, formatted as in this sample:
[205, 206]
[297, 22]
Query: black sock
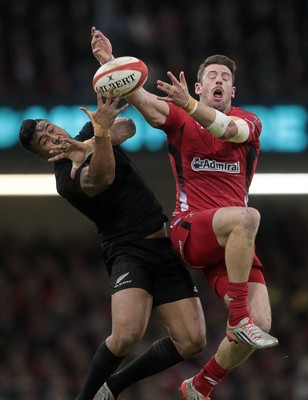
[104, 363]
[158, 357]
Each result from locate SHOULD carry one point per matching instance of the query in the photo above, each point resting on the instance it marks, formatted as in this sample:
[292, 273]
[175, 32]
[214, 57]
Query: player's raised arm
[153, 110]
[121, 130]
[100, 173]
[101, 46]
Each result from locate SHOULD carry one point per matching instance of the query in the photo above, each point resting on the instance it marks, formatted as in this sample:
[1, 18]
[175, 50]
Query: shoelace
[253, 330]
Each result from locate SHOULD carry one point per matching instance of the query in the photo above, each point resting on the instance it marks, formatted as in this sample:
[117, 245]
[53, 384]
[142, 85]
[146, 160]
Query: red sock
[211, 374]
[238, 305]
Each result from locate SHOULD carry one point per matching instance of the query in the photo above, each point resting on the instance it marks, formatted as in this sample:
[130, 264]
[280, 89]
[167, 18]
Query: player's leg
[235, 229]
[177, 304]
[229, 354]
[130, 309]
[184, 320]
[229, 234]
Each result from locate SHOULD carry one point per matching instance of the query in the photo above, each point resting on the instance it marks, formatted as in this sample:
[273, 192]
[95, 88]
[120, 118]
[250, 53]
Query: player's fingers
[182, 78]
[116, 98]
[99, 97]
[57, 157]
[73, 171]
[110, 95]
[161, 85]
[172, 78]
[88, 112]
[95, 40]
[121, 109]
[166, 87]
[171, 90]
[57, 150]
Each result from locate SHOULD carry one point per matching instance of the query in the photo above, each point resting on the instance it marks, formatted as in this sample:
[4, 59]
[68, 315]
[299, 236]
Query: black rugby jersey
[127, 210]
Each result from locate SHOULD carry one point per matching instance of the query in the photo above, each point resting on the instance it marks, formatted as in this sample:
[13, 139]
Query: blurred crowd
[55, 300]
[45, 45]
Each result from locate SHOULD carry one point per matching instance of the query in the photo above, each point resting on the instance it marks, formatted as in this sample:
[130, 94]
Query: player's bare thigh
[227, 218]
[184, 320]
[130, 309]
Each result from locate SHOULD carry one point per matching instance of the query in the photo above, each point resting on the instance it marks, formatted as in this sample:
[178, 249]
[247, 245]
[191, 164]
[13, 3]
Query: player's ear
[233, 92]
[198, 89]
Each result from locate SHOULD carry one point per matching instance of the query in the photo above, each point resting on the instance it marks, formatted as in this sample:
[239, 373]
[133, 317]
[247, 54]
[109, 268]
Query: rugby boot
[104, 393]
[251, 335]
[189, 392]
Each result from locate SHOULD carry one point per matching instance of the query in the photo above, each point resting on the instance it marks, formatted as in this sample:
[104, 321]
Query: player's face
[216, 89]
[47, 135]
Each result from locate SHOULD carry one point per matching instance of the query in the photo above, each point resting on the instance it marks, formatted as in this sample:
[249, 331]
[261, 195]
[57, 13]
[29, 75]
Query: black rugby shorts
[150, 264]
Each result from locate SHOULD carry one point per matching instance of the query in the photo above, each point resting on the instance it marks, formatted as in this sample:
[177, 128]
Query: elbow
[109, 179]
[94, 184]
[131, 127]
[103, 180]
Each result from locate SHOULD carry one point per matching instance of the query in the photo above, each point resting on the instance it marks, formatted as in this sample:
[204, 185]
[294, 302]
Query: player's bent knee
[192, 349]
[198, 345]
[251, 218]
[122, 342]
[192, 345]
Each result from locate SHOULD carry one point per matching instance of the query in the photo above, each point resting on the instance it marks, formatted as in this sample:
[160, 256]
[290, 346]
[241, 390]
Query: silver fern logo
[122, 281]
[120, 278]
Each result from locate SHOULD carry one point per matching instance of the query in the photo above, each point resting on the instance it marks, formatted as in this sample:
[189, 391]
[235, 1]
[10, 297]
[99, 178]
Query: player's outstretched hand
[101, 46]
[176, 91]
[104, 117]
[74, 150]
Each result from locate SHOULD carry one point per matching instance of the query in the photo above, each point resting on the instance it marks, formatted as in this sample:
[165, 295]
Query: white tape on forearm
[219, 126]
[242, 131]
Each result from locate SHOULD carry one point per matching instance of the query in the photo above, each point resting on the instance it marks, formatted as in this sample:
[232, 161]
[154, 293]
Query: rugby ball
[124, 74]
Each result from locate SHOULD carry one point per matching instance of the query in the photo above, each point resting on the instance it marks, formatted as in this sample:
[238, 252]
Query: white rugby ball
[124, 74]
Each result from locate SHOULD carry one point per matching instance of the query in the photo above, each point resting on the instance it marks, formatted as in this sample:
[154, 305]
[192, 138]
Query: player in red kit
[213, 149]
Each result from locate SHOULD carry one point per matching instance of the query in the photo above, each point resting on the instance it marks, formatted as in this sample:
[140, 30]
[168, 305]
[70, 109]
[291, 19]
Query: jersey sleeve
[173, 119]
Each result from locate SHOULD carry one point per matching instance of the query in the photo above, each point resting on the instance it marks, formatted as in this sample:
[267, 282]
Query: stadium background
[53, 287]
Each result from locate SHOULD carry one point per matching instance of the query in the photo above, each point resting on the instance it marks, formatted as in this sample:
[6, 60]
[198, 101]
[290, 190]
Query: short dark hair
[217, 59]
[26, 132]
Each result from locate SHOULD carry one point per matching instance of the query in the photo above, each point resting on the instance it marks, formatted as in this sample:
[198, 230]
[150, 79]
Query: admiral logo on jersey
[198, 164]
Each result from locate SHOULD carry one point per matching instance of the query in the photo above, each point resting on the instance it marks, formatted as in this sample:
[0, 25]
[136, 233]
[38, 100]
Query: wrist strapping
[103, 133]
[191, 106]
[219, 125]
[88, 151]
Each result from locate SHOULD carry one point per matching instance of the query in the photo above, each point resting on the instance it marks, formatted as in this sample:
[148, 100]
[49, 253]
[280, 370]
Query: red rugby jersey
[210, 172]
